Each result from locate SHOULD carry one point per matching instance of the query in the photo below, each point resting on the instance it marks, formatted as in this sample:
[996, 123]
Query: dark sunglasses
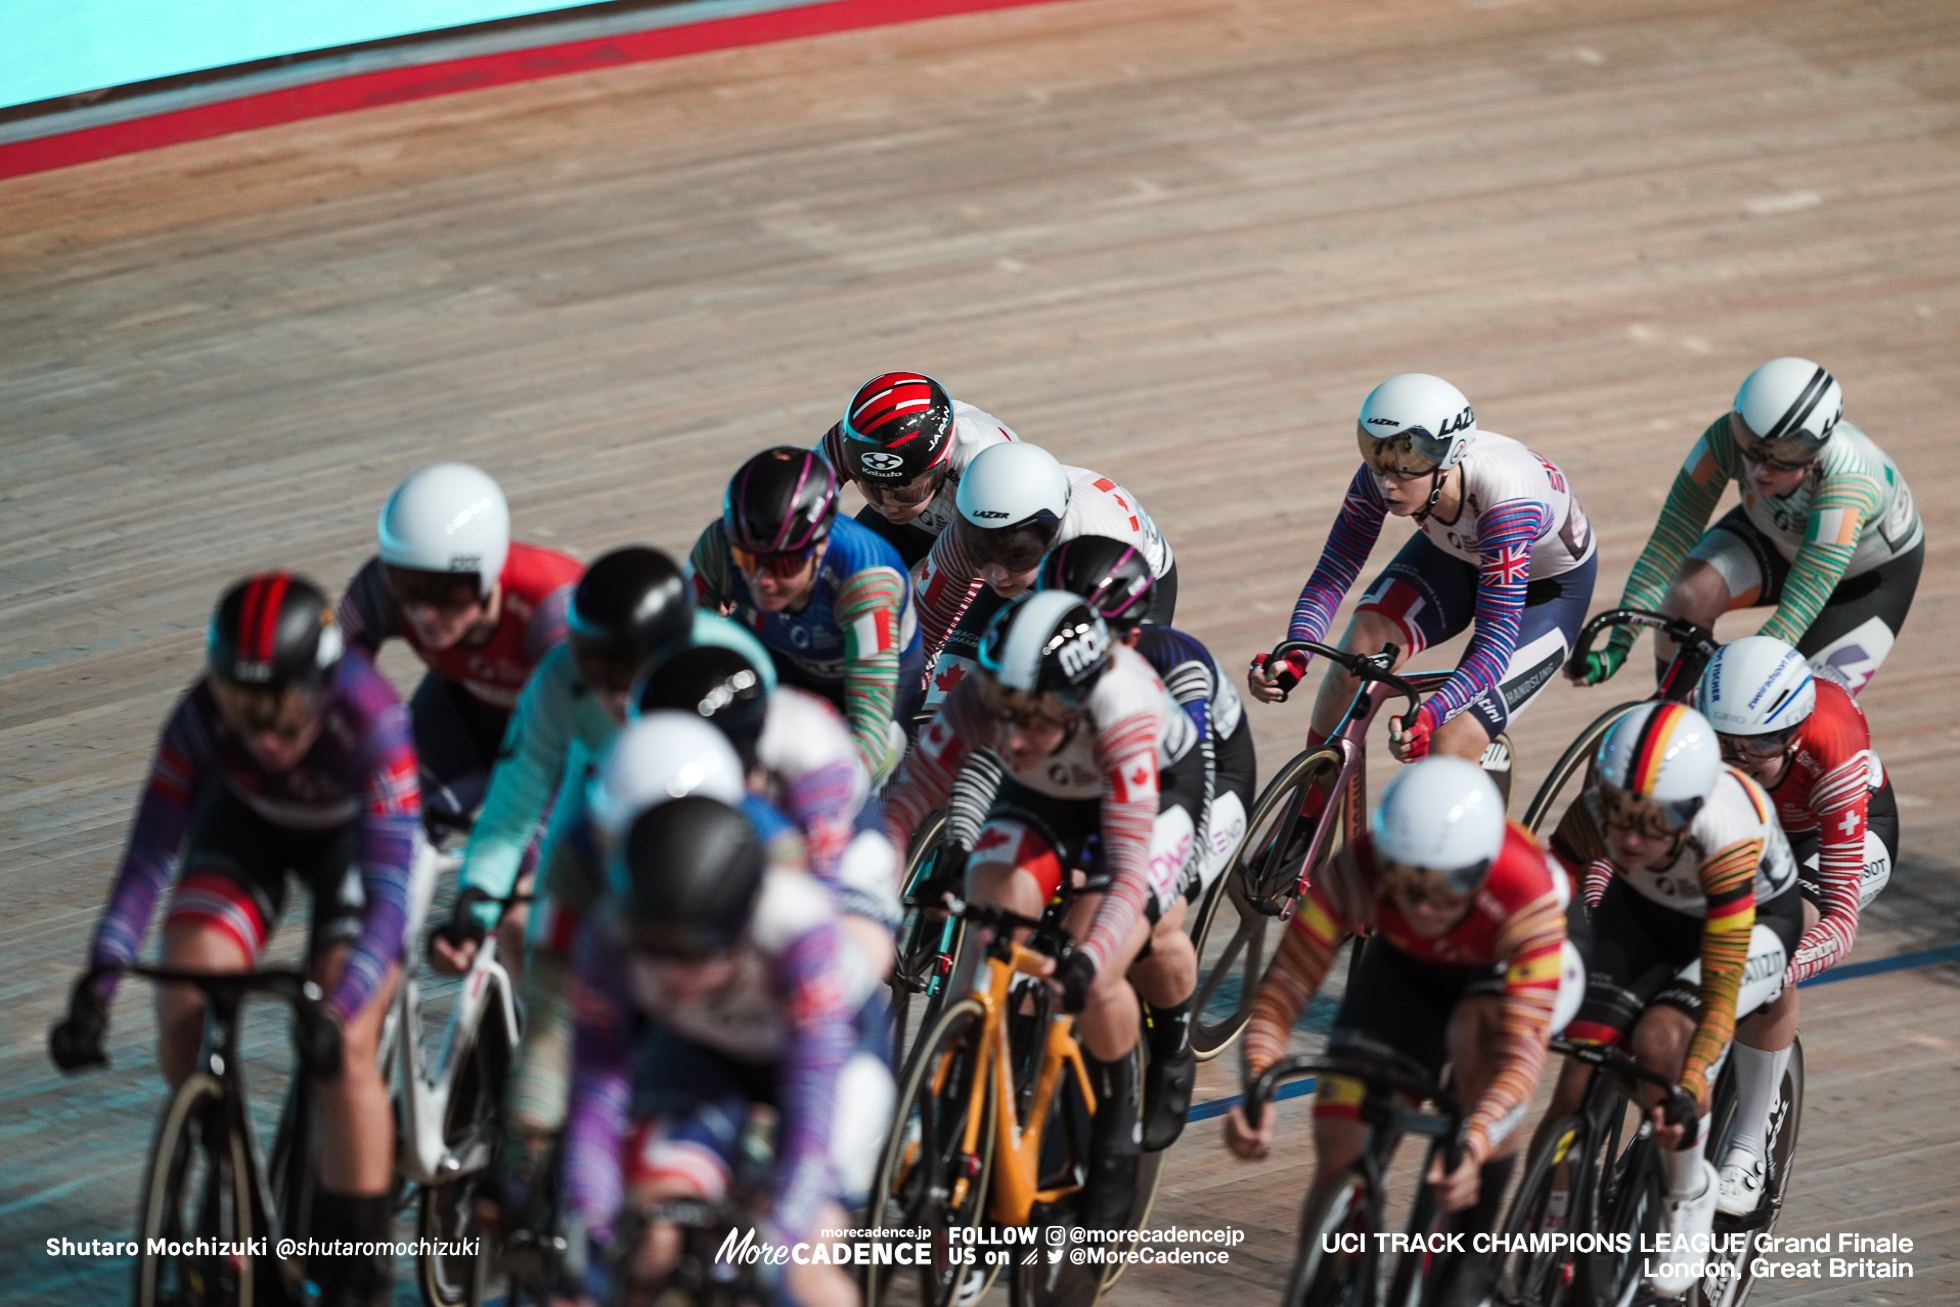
[1754, 449]
[781, 566]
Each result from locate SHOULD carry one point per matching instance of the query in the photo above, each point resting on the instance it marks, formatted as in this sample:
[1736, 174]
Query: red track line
[396, 85]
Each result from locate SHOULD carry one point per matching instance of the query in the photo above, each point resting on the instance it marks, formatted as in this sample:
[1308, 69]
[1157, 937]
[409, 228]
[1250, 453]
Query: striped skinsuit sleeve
[1293, 977]
[1505, 533]
[1690, 502]
[1839, 508]
[1531, 943]
[1356, 528]
[1840, 799]
[867, 611]
[1126, 755]
[1728, 882]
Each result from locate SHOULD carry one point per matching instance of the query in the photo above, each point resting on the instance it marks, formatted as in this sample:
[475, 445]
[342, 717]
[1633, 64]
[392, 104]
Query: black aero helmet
[1113, 577]
[1048, 642]
[686, 877]
[629, 603]
[899, 426]
[274, 630]
[782, 501]
[712, 682]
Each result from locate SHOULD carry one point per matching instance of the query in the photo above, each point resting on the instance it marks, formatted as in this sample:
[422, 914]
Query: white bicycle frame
[423, 1087]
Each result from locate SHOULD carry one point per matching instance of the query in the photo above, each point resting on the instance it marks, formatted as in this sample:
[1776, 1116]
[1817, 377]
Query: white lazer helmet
[662, 756]
[1013, 484]
[1444, 815]
[448, 517]
[1658, 758]
[1757, 685]
[1434, 415]
[1790, 399]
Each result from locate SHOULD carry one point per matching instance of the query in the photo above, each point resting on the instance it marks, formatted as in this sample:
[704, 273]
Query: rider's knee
[1697, 593]
[1660, 1041]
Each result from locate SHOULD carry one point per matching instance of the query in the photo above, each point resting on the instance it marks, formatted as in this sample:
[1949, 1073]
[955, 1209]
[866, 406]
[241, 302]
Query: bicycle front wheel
[446, 1216]
[1570, 763]
[926, 1178]
[923, 964]
[1545, 1277]
[1786, 1114]
[1260, 877]
[198, 1187]
[1336, 1263]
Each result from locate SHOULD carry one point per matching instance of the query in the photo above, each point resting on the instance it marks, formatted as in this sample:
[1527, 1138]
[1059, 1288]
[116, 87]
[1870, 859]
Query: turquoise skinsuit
[556, 729]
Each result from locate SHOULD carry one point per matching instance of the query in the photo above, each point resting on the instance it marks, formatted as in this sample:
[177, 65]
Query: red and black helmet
[782, 501]
[274, 630]
[899, 427]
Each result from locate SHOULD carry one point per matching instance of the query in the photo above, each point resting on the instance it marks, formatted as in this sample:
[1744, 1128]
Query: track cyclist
[1698, 920]
[1092, 744]
[1826, 531]
[1464, 966]
[284, 756]
[1501, 542]
[629, 604]
[1115, 579]
[478, 608]
[796, 751]
[710, 983]
[1015, 503]
[904, 444]
[1804, 739]
[830, 599]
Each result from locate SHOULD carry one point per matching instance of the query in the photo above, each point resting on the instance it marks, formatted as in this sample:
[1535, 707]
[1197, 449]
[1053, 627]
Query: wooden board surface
[1171, 240]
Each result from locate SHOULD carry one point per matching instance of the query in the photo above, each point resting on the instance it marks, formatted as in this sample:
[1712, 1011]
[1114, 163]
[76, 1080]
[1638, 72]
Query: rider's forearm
[522, 782]
[1697, 488]
[1125, 750]
[868, 610]
[1728, 882]
[926, 776]
[1840, 799]
[1532, 943]
[1505, 537]
[601, 1082]
[948, 580]
[1356, 528]
[387, 850]
[1814, 573]
[1293, 977]
[819, 1043]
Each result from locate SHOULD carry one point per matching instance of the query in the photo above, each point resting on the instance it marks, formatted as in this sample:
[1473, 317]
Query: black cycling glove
[1076, 973]
[76, 1041]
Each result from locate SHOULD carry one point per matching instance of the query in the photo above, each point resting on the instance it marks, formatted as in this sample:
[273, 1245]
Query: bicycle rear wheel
[446, 1213]
[925, 1177]
[198, 1187]
[1785, 1116]
[1261, 875]
[1336, 1263]
[1545, 1277]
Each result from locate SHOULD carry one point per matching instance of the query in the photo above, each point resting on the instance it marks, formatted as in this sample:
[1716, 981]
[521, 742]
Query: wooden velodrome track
[1175, 240]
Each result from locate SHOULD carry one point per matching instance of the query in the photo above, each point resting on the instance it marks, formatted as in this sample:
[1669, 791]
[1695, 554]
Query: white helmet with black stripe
[1790, 399]
[1046, 642]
